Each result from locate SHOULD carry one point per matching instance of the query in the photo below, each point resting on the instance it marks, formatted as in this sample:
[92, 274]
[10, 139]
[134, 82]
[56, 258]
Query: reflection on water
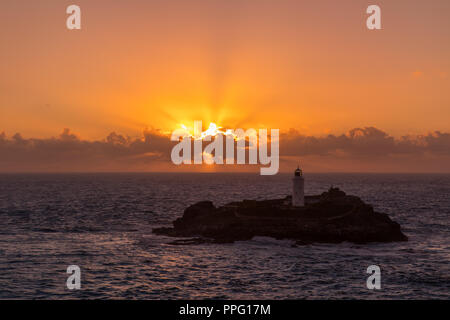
[103, 222]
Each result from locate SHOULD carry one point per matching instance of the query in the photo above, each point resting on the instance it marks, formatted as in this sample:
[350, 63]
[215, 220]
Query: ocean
[103, 224]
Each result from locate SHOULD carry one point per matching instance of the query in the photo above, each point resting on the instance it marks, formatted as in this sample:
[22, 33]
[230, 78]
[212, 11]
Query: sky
[309, 68]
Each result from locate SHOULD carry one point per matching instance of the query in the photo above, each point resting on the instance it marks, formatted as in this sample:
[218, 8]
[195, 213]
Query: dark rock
[331, 217]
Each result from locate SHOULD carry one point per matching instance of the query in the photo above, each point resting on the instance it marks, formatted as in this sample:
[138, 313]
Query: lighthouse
[298, 189]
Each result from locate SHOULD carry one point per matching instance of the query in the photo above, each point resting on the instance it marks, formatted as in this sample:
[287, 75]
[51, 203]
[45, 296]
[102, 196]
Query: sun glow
[212, 131]
[227, 147]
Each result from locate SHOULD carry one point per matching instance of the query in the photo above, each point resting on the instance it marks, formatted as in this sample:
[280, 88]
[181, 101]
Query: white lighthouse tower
[298, 189]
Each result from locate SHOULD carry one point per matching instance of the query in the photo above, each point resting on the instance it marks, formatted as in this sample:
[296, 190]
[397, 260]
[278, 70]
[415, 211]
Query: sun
[212, 131]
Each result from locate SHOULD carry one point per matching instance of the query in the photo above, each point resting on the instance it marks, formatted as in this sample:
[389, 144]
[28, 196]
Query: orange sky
[309, 65]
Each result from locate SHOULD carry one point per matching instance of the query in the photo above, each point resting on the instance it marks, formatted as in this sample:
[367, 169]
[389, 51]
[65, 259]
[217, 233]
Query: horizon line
[217, 172]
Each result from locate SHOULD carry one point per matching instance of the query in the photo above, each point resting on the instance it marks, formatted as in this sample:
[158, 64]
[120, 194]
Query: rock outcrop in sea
[331, 217]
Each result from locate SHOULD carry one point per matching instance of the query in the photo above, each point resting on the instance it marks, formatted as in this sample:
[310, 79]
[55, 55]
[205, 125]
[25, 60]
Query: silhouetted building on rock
[298, 189]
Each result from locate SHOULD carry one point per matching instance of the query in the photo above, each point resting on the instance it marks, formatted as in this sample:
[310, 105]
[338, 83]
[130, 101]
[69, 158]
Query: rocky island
[331, 217]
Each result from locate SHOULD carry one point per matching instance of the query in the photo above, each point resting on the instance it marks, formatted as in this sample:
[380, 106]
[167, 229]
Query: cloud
[68, 152]
[368, 148]
[364, 142]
